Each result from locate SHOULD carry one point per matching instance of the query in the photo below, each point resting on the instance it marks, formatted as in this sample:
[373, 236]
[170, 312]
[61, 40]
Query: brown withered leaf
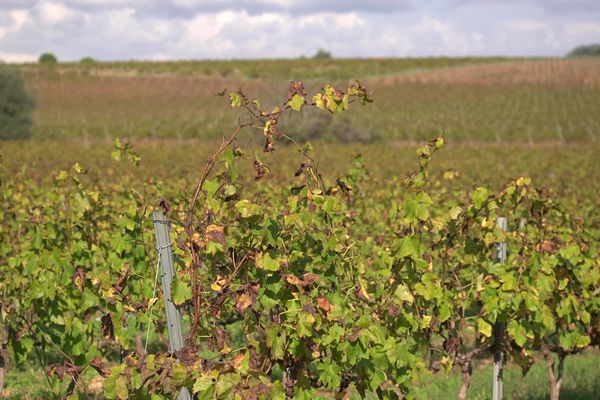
[222, 339]
[181, 243]
[309, 278]
[108, 329]
[60, 370]
[255, 361]
[324, 304]
[393, 311]
[121, 283]
[354, 336]
[187, 355]
[296, 87]
[260, 168]
[309, 308]
[301, 169]
[305, 281]
[293, 279]
[98, 365]
[243, 300]
[215, 233]
[164, 205]
[546, 246]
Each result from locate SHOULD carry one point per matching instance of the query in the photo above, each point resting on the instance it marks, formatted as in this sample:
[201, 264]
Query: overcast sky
[190, 29]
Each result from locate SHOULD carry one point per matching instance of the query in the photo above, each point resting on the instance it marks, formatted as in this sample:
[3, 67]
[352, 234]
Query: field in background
[529, 100]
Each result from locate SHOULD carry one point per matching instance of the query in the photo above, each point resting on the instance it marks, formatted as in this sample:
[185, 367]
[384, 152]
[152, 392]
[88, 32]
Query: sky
[225, 29]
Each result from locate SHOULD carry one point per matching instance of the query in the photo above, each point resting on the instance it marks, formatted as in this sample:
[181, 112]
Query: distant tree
[87, 61]
[322, 54]
[16, 105]
[588, 50]
[47, 58]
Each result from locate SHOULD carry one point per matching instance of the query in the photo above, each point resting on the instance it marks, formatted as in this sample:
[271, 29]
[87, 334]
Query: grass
[581, 382]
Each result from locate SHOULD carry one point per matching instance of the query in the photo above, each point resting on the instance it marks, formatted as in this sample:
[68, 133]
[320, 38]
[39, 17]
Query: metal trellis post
[499, 328]
[163, 245]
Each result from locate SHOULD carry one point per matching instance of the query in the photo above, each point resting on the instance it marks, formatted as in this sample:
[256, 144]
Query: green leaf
[329, 374]
[407, 247]
[296, 102]
[517, 332]
[235, 99]
[444, 312]
[180, 292]
[226, 383]
[403, 294]
[480, 196]
[305, 323]
[247, 209]
[211, 187]
[264, 261]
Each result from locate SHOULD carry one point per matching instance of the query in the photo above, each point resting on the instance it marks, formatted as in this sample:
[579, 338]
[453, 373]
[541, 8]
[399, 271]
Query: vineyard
[531, 101]
[303, 271]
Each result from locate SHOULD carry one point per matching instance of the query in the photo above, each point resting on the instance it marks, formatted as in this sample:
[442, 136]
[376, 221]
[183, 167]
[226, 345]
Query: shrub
[322, 54]
[312, 125]
[590, 50]
[87, 61]
[47, 58]
[16, 105]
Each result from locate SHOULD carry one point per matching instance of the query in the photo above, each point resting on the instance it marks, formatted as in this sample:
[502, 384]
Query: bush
[590, 50]
[47, 58]
[87, 61]
[16, 105]
[322, 54]
[311, 125]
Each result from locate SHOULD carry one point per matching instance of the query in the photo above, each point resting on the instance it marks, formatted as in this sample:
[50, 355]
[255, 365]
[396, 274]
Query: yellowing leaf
[426, 321]
[296, 102]
[484, 327]
[219, 284]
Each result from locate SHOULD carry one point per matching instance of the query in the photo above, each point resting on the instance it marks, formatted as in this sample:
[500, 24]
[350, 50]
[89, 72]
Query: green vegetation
[16, 105]
[590, 50]
[292, 281]
[87, 61]
[278, 69]
[322, 54]
[304, 269]
[47, 59]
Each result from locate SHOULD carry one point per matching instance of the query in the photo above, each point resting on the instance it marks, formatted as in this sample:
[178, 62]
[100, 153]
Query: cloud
[167, 9]
[550, 7]
[184, 29]
[12, 21]
[52, 13]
